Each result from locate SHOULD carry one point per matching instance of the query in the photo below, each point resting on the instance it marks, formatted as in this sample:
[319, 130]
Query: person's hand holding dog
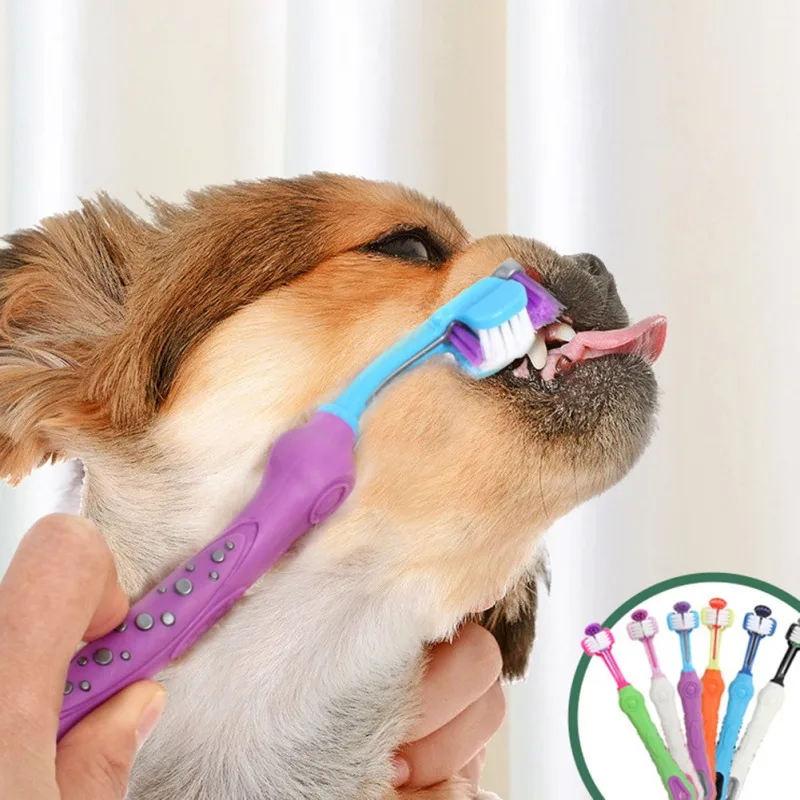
[61, 588]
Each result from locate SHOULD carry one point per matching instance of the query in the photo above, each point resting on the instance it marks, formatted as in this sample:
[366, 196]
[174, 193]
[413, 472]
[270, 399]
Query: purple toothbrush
[683, 621]
[309, 474]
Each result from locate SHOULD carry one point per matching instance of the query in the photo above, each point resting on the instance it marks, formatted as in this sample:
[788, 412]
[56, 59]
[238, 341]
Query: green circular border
[616, 616]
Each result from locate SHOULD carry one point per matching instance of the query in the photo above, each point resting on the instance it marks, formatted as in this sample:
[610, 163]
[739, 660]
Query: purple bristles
[467, 343]
[682, 607]
[763, 611]
[593, 629]
[543, 308]
[639, 616]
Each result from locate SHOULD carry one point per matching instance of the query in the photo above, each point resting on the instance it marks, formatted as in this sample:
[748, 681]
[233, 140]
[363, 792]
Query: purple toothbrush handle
[690, 688]
[310, 472]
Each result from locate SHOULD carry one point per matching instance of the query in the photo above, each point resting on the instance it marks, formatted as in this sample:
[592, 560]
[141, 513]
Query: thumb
[94, 759]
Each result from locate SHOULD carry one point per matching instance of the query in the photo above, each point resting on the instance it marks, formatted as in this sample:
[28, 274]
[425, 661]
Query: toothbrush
[717, 618]
[309, 474]
[758, 625]
[644, 628]
[683, 621]
[770, 702]
[599, 642]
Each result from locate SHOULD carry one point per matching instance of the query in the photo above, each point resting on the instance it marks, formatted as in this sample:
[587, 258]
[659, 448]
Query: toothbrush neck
[650, 648]
[750, 656]
[716, 641]
[614, 669]
[787, 662]
[686, 651]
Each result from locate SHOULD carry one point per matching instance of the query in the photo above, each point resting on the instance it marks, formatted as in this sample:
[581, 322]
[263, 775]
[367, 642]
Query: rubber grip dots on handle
[160, 626]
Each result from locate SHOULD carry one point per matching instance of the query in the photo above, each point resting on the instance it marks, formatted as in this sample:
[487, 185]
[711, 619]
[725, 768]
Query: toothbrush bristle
[639, 616]
[717, 616]
[506, 342]
[793, 634]
[641, 629]
[760, 624]
[684, 619]
[598, 640]
[542, 307]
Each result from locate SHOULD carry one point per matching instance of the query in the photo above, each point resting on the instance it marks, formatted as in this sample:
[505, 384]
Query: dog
[166, 354]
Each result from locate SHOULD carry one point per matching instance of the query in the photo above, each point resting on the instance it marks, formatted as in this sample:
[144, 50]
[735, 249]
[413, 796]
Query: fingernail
[402, 772]
[149, 717]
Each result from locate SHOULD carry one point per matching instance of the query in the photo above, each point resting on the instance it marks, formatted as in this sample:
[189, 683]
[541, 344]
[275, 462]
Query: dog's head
[179, 348]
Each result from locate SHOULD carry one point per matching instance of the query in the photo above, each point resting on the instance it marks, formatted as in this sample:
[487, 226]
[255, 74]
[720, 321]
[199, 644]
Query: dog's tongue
[645, 338]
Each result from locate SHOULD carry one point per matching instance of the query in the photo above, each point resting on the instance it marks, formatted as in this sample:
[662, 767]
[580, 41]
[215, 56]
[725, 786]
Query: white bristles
[507, 342]
[639, 631]
[762, 626]
[717, 618]
[793, 636]
[593, 645]
[688, 621]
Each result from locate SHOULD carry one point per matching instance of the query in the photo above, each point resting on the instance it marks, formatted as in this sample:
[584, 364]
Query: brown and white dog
[167, 355]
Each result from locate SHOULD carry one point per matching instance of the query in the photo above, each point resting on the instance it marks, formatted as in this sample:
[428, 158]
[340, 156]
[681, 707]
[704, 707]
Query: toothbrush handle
[664, 698]
[740, 693]
[309, 474]
[691, 691]
[770, 702]
[713, 689]
[631, 701]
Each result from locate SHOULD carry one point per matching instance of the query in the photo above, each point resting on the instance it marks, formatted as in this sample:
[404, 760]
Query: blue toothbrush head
[494, 322]
[759, 625]
[760, 622]
[683, 619]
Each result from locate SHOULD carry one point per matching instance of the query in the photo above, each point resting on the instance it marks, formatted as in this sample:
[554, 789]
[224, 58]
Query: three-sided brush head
[598, 640]
[760, 622]
[683, 619]
[642, 626]
[716, 615]
[487, 345]
[793, 635]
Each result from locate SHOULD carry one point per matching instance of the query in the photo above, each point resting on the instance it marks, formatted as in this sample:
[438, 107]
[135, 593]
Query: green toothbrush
[598, 642]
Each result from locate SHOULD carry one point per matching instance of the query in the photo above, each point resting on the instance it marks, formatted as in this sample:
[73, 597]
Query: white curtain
[662, 136]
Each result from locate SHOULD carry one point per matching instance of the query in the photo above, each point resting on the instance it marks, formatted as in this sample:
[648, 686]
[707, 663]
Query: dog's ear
[62, 291]
[512, 620]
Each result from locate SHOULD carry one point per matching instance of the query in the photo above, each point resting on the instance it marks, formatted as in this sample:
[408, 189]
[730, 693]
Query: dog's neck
[303, 669]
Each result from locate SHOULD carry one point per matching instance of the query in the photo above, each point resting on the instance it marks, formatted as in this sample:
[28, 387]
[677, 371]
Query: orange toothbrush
[716, 618]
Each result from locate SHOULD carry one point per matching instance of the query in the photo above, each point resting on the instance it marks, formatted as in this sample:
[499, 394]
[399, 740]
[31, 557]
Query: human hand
[463, 706]
[61, 588]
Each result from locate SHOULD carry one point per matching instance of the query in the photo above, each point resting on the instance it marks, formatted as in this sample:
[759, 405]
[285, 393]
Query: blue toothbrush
[758, 625]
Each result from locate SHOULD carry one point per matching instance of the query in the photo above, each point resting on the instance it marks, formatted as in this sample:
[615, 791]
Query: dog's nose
[591, 263]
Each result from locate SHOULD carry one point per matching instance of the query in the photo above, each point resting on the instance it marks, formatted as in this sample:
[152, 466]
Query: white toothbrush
[643, 628]
[770, 702]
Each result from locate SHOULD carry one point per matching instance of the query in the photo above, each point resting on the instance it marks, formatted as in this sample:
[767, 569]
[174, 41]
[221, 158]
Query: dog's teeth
[523, 370]
[560, 332]
[538, 352]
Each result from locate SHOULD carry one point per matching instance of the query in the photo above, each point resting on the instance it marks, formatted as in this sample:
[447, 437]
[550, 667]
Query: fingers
[60, 586]
[447, 750]
[95, 758]
[473, 769]
[458, 674]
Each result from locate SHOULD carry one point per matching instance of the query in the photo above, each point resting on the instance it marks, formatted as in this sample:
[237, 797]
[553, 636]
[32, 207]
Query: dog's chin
[599, 412]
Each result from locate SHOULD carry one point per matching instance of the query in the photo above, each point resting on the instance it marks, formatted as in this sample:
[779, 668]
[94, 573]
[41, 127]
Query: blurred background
[662, 136]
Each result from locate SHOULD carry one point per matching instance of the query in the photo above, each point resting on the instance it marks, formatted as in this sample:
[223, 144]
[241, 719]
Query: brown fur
[132, 343]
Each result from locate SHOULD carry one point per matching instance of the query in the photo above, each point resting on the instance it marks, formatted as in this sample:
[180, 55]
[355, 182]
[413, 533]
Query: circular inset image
[685, 692]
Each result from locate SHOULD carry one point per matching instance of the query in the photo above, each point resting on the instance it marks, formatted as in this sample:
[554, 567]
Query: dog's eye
[416, 245]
